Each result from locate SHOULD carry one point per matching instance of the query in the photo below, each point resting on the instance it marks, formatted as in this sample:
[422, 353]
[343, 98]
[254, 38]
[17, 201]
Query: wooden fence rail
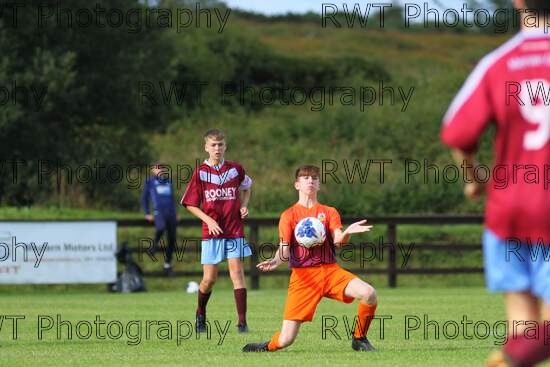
[392, 222]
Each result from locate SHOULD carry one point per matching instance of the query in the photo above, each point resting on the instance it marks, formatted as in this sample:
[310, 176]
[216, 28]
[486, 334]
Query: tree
[90, 75]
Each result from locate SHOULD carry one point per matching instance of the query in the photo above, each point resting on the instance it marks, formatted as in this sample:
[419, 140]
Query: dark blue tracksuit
[164, 210]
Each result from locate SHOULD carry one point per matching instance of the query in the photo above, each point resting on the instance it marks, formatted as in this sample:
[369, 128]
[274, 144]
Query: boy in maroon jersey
[508, 87]
[213, 195]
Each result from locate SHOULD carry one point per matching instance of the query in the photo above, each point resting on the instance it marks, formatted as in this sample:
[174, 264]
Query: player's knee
[236, 275]
[368, 295]
[209, 281]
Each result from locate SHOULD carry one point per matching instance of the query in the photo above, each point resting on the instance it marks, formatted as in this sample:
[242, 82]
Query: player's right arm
[192, 199]
[283, 252]
[473, 189]
[281, 256]
[213, 227]
[469, 114]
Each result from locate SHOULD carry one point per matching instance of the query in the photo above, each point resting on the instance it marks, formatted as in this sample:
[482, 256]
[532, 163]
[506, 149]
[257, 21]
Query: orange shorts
[309, 285]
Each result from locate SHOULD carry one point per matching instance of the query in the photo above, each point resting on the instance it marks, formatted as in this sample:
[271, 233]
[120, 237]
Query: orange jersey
[301, 257]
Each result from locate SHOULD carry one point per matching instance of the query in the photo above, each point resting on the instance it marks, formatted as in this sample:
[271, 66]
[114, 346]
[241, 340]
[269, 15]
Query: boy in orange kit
[315, 273]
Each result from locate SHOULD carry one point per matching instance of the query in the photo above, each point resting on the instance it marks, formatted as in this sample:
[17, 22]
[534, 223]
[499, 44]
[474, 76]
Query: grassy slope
[265, 308]
[271, 143]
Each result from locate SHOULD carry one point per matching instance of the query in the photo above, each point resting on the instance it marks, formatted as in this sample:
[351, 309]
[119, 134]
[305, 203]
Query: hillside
[285, 90]
[272, 141]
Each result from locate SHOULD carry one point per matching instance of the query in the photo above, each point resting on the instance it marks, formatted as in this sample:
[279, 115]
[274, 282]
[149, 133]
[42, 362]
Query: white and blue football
[310, 232]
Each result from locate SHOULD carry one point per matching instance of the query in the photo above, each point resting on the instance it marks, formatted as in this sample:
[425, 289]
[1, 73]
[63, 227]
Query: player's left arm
[245, 198]
[281, 255]
[246, 191]
[342, 237]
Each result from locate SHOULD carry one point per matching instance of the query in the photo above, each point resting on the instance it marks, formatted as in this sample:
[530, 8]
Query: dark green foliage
[91, 109]
[240, 59]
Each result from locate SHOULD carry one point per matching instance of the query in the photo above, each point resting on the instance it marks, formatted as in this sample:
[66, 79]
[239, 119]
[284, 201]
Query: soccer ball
[310, 232]
[192, 287]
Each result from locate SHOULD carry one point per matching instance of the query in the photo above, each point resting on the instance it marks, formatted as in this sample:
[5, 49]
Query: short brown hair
[214, 134]
[307, 170]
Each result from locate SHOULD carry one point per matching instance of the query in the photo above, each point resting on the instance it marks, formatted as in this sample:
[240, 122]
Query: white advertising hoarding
[57, 252]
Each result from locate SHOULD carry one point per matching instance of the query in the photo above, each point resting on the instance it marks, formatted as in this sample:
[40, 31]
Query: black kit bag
[131, 279]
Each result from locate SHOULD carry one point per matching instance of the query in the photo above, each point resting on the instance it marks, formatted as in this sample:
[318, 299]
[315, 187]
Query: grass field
[265, 309]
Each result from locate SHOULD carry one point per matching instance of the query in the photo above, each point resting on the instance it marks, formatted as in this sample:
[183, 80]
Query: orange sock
[274, 342]
[365, 313]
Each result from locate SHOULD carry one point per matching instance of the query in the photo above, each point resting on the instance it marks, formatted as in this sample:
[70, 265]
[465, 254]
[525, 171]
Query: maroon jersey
[510, 87]
[215, 189]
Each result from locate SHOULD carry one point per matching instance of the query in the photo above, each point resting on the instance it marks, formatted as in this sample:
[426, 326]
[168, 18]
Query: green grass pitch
[265, 307]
